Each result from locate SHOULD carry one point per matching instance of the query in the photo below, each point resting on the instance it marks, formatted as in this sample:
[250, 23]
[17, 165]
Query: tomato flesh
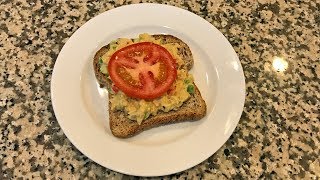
[143, 70]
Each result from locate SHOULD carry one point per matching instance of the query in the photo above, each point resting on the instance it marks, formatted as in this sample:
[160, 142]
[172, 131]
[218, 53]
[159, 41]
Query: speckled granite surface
[279, 132]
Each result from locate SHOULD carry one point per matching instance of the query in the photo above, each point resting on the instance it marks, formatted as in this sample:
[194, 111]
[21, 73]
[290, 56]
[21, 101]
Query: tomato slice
[143, 70]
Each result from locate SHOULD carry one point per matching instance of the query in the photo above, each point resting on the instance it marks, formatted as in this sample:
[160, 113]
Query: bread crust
[193, 109]
[102, 80]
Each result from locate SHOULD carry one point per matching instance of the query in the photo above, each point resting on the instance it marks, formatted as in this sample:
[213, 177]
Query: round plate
[81, 107]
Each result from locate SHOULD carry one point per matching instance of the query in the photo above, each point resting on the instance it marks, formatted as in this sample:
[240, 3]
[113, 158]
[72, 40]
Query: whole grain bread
[193, 109]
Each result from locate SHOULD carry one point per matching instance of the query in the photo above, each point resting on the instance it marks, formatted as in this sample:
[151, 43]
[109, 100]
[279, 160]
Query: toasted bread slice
[193, 109]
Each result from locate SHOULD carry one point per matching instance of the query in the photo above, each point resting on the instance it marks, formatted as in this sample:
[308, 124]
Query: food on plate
[149, 83]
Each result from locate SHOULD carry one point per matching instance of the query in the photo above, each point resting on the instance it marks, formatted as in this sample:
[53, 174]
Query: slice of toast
[193, 109]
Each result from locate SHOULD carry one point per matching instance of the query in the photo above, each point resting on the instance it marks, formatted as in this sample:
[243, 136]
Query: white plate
[81, 106]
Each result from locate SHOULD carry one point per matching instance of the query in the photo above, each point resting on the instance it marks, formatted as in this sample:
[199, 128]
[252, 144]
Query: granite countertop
[277, 41]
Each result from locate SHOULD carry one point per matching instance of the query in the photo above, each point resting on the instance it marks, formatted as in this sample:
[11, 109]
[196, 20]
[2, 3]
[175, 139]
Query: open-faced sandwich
[148, 83]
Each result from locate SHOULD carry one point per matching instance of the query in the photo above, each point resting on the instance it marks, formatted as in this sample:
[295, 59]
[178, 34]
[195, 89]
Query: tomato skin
[143, 70]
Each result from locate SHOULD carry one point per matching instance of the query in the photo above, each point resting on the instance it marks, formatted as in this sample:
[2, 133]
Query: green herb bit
[109, 90]
[190, 89]
[146, 115]
[100, 60]
[187, 81]
[113, 45]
